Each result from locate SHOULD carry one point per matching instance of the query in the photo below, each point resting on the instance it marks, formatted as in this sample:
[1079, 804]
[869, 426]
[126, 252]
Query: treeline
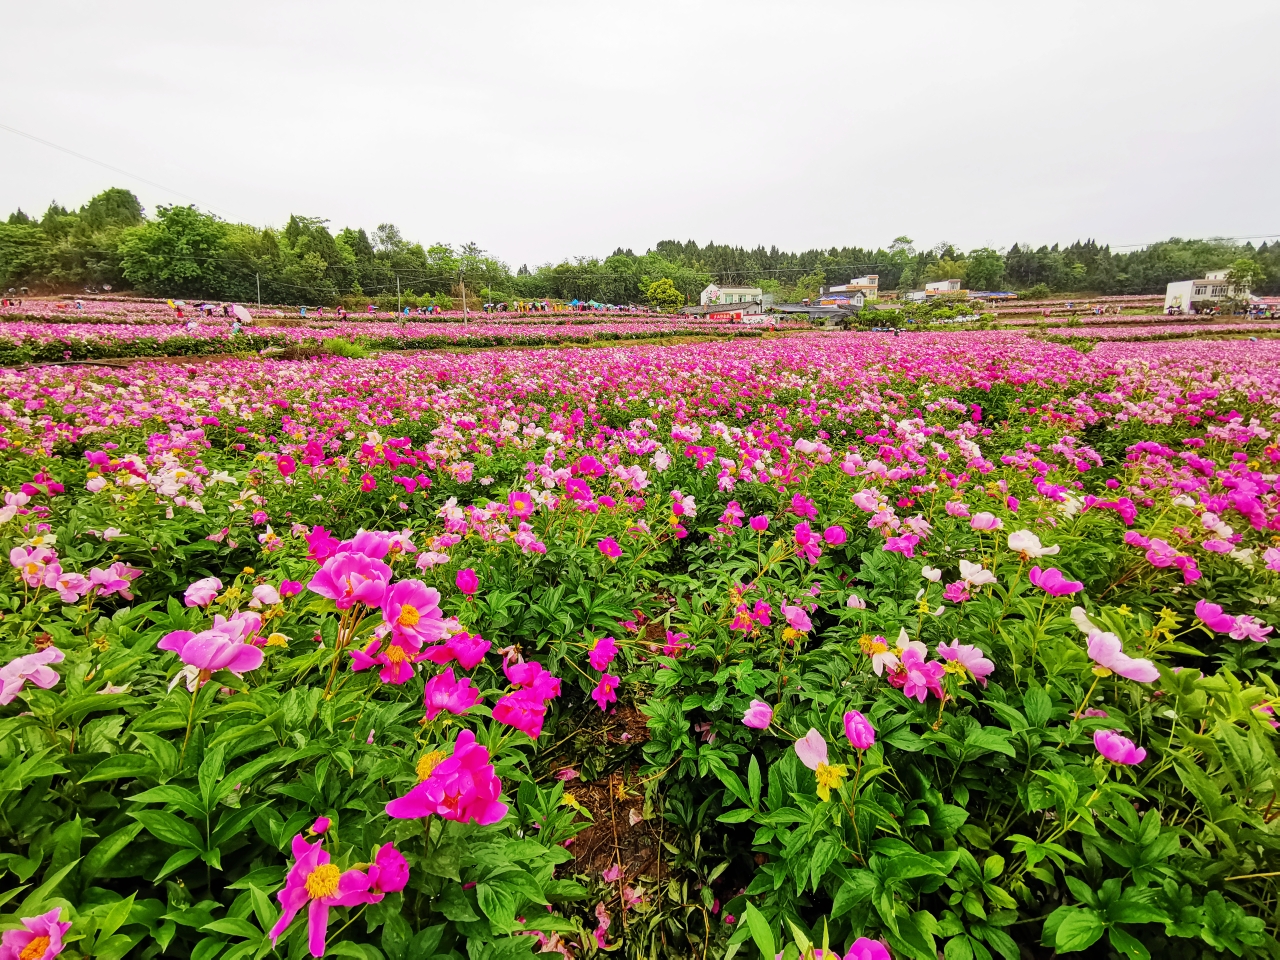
[110, 244]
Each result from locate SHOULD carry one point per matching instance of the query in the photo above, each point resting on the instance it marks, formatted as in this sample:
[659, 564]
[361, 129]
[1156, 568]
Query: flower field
[949, 644]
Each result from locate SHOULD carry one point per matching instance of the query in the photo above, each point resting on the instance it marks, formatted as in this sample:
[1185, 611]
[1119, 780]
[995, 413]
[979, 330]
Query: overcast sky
[546, 130]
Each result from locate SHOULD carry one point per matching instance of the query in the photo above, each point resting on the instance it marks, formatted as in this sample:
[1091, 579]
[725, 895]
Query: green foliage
[664, 296]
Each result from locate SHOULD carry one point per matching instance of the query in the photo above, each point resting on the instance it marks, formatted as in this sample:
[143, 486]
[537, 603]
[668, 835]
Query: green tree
[1246, 275]
[179, 254]
[663, 296]
[984, 270]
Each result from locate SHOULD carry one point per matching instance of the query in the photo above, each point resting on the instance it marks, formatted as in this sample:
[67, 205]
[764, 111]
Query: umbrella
[242, 314]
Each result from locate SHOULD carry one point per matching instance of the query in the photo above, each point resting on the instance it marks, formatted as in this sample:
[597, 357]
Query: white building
[868, 287]
[716, 294]
[942, 286]
[1182, 296]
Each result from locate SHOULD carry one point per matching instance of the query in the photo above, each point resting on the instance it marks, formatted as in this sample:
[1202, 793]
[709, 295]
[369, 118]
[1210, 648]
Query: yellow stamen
[35, 949]
[829, 775]
[1101, 672]
[323, 881]
[277, 640]
[395, 654]
[409, 616]
[428, 762]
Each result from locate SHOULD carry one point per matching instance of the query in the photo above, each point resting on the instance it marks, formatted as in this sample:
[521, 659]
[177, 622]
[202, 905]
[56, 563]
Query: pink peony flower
[834, 536]
[351, 578]
[1118, 748]
[321, 825]
[286, 465]
[855, 602]
[905, 544]
[1108, 653]
[758, 716]
[321, 545]
[968, 657]
[602, 654]
[264, 595]
[984, 522]
[69, 586]
[467, 581]
[610, 548]
[864, 949]
[1052, 582]
[317, 884]
[445, 692]
[395, 661]
[807, 544]
[920, 678]
[859, 730]
[202, 592]
[1211, 615]
[1250, 628]
[759, 524]
[39, 938]
[462, 788]
[957, 592]
[604, 694]
[812, 749]
[797, 618]
[218, 648]
[466, 648]
[412, 610]
[290, 588]
[520, 504]
[389, 872]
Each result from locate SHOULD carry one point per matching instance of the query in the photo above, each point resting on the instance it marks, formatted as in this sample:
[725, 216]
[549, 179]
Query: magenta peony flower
[445, 692]
[202, 592]
[462, 788]
[807, 544]
[602, 654]
[797, 618]
[219, 648]
[286, 465]
[921, 678]
[522, 711]
[905, 544]
[317, 884]
[321, 545]
[33, 668]
[351, 578]
[389, 872]
[520, 504]
[758, 716]
[466, 648]
[759, 524]
[610, 548]
[864, 949]
[467, 581]
[859, 730]
[290, 588]
[984, 521]
[835, 536]
[1211, 615]
[395, 661]
[1108, 653]
[1118, 748]
[321, 825]
[412, 610]
[39, 938]
[604, 693]
[968, 657]
[812, 749]
[1052, 582]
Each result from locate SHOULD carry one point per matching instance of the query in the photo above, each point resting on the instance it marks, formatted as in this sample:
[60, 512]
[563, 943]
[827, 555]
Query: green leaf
[176, 862]
[1079, 929]
[115, 917]
[36, 898]
[761, 933]
[1127, 945]
[753, 781]
[106, 850]
[132, 765]
[170, 828]
[740, 815]
[233, 927]
[1037, 705]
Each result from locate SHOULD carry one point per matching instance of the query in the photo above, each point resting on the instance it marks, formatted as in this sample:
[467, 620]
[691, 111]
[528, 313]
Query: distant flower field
[947, 644]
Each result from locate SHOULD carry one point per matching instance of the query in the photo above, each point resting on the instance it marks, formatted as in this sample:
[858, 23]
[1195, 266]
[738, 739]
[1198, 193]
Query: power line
[101, 163]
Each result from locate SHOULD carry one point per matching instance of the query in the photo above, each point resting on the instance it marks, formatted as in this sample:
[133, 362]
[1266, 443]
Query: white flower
[975, 574]
[1027, 543]
[932, 574]
[1082, 621]
[855, 602]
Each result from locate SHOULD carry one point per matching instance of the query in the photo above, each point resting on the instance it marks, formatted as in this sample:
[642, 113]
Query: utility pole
[462, 282]
[397, 294]
[258, 281]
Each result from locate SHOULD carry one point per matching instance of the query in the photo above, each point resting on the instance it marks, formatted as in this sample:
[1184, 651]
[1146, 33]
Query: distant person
[192, 326]
[235, 326]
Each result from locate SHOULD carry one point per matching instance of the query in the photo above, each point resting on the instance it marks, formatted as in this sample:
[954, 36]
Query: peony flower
[758, 716]
[1250, 628]
[610, 548]
[467, 581]
[39, 938]
[264, 595]
[1028, 544]
[321, 545]
[395, 661]
[351, 578]
[1211, 615]
[834, 536]
[1052, 582]
[412, 610]
[881, 656]
[445, 692]
[602, 653]
[957, 592]
[759, 524]
[202, 592]
[321, 825]
[218, 648]
[859, 730]
[286, 465]
[70, 587]
[1118, 748]
[963, 657]
[520, 504]
[797, 619]
[462, 788]
[932, 574]
[389, 872]
[920, 678]
[604, 694]
[855, 602]
[905, 544]
[1108, 653]
[865, 949]
[984, 521]
[317, 884]
[464, 647]
[812, 751]
[975, 574]
[807, 545]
